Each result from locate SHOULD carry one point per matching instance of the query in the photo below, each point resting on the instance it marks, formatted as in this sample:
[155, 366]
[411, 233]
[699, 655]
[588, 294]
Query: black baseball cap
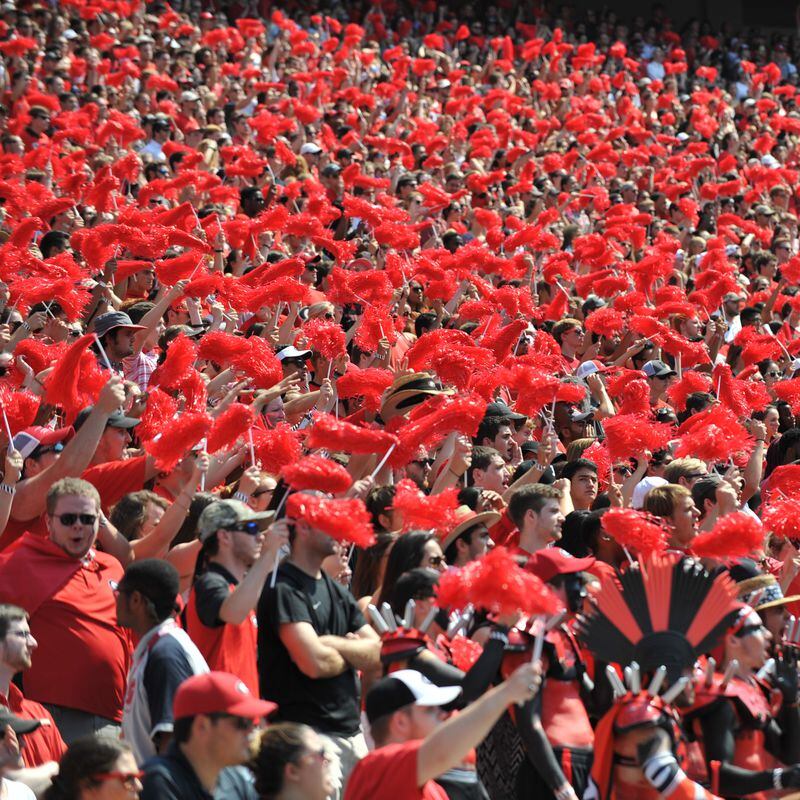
[115, 420]
[406, 687]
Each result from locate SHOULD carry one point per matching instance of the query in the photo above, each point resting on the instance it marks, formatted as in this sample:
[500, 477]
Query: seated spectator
[214, 719]
[291, 764]
[96, 766]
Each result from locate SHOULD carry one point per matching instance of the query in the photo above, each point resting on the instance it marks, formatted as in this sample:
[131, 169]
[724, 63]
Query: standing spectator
[312, 639]
[65, 585]
[537, 513]
[292, 764]
[582, 477]
[413, 744]
[44, 746]
[215, 716]
[94, 767]
[232, 566]
[163, 659]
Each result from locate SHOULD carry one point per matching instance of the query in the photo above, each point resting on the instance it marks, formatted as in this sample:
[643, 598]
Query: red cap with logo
[218, 693]
[553, 561]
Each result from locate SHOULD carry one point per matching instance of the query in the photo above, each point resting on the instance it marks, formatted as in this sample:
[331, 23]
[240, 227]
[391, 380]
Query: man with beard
[236, 557]
[312, 640]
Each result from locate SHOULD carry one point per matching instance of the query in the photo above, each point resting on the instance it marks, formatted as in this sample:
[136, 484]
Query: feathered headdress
[496, 583]
[345, 519]
[668, 610]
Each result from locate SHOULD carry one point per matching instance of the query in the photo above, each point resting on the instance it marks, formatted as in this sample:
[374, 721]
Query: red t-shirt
[113, 480]
[83, 655]
[45, 743]
[391, 771]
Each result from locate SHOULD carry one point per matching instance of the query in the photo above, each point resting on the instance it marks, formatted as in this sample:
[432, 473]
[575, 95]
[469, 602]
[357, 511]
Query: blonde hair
[683, 468]
[663, 500]
[576, 448]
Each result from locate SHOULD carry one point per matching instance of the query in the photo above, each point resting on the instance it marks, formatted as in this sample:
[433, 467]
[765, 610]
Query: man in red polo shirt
[413, 744]
[42, 748]
[65, 585]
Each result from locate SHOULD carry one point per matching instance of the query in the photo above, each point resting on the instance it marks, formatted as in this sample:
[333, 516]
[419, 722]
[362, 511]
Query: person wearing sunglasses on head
[96, 766]
[65, 585]
[164, 656]
[238, 550]
[216, 720]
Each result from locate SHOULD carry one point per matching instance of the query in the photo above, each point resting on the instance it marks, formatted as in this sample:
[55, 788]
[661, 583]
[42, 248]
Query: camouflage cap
[227, 514]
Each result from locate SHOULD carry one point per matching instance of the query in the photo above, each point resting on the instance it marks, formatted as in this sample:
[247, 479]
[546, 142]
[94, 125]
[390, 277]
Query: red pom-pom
[276, 448]
[606, 322]
[420, 355]
[222, 348]
[160, 411]
[345, 519]
[628, 435]
[317, 473]
[496, 583]
[326, 337]
[368, 383]
[259, 363]
[780, 517]
[336, 435]
[633, 530]
[733, 536]
[229, 426]
[20, 407]
[76, 379]
[790, 392]
[713, 435]
[597, 453]
[178, 439]
[178, 365]
[690, 383]
[783, 482]
[635, 398]
[436, 512]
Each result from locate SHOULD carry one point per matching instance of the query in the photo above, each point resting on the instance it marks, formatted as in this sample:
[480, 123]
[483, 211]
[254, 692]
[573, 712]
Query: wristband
[8, 489]
[499, 636]
[25, 326]
[241, 496]
[777, 779]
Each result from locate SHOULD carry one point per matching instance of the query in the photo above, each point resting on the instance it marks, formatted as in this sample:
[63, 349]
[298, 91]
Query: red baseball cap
[553, 561]
[218, 693]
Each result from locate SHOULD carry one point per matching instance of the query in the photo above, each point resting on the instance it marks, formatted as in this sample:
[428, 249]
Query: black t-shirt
[211, 590]
[331, 705]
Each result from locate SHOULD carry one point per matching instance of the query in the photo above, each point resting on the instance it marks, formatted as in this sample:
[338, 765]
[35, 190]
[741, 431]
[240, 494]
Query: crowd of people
[397, 400]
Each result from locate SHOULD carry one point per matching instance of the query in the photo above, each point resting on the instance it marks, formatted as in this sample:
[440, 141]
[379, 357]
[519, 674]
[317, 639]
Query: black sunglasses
[423, 462]
[240, 723]
[250, 528]
[70, 519]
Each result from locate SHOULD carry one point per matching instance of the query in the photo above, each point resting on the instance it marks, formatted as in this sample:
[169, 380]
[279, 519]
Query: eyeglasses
[317, 755]
[259, 492]
[70, 519]
[128, 779]
[437, 561]
[250, 528]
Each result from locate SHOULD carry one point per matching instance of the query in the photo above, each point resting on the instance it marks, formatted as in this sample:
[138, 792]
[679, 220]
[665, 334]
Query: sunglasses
[40, 451]
[423, 462]
[437, 561]
[240, 723]
[250, 528]
[259, 492]
[317, 755]
[297, 362]
[70, 519]
[128, 779]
